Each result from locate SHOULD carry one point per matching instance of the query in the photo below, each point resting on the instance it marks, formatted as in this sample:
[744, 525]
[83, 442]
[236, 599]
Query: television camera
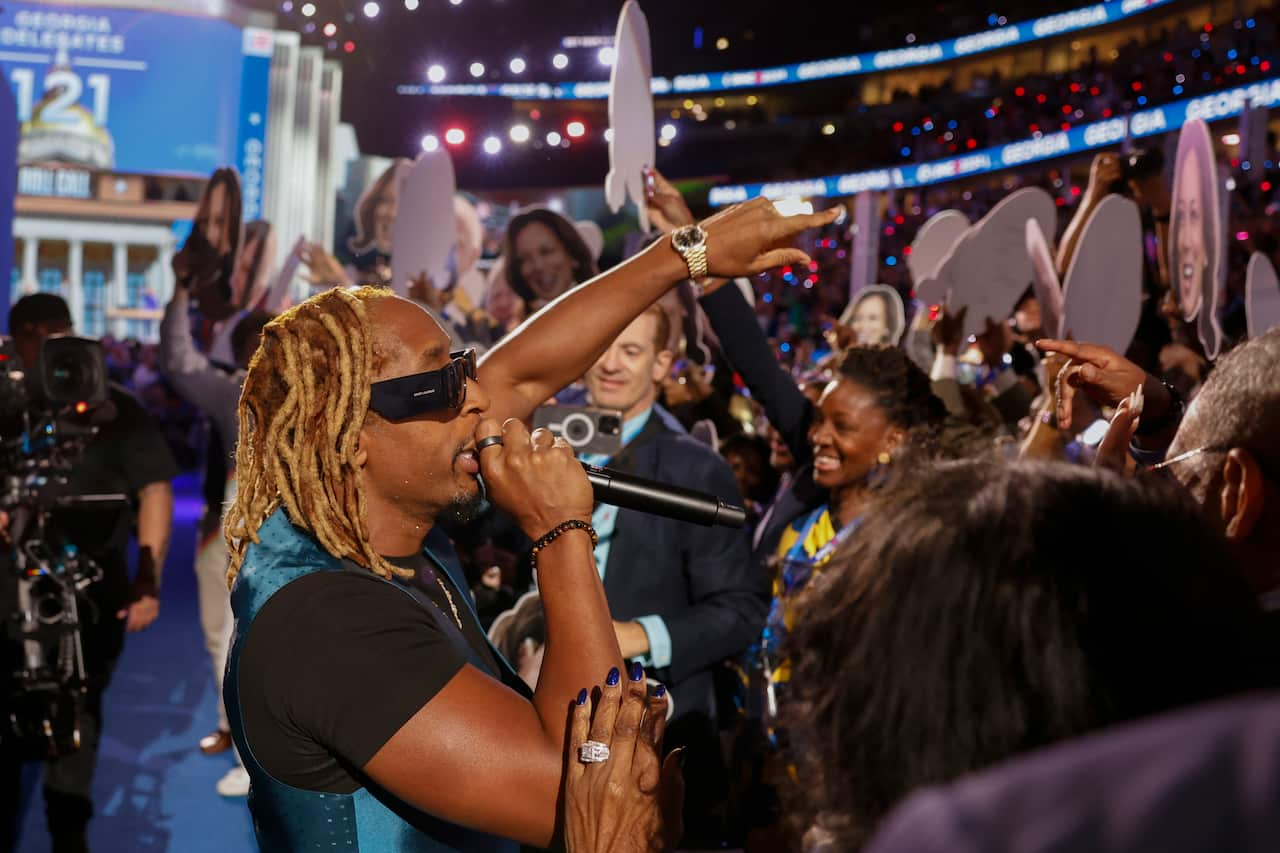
[48, 414]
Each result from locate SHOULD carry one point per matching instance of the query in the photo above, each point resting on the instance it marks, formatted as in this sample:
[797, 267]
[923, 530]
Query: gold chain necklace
[449, 597]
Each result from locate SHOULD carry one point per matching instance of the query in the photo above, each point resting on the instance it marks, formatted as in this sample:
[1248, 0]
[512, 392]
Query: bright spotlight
[560, 61]
[455, 136]
[492, 145]
[668, 132]
[430, 142]
[436, 74]
[606, 55]
[576, 129]
[517, 66]
[519, 133]
[330, 28]
[477, 69]
[308, 9]
[553, 138]
[411, 5]
[371, 9]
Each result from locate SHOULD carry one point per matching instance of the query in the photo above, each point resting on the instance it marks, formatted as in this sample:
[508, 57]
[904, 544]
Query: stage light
[752, 100]
[828, 129]
[455, 2]
[309, 27]
[286, 6]
[436, 74]
[1231, 139]
[411, 5]
[349, 46]
[517, 66]
[371, 9]
[668, 132]
[308, 9]
[430, 142]
[330, 28]
[560, 61]
[722, 43]
[519, 133]
[608, 134]
[576, 129]
[455, 136]
[606, 55]
[553, 138]
[477, 69]
[492, 145]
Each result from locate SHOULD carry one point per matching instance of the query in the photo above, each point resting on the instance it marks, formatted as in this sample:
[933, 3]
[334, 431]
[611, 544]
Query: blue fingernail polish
[612, 678]
[582, 696]
[659, 691]
[637, 671]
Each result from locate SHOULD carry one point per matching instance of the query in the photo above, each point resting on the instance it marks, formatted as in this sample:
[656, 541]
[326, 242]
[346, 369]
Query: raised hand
[667, 209]
[536, 478]
[1113, 452]
[323, 269]
[1104, 375]
[750, 238]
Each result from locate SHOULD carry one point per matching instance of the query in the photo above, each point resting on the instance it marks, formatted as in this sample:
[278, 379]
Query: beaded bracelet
[571, 524]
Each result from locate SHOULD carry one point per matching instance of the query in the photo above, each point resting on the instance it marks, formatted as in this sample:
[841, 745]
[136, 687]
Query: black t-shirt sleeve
[334, 664]
[137, 445]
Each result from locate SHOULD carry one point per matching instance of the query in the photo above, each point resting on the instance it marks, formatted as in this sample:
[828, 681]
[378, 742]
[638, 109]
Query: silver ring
[490, 441]
[593, 752]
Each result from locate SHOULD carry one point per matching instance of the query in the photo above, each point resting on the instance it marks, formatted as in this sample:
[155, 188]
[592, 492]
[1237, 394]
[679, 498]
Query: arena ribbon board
[1261, 295]
[989, 268]
[425, 229]
[1044, 281]
[933, 241]
[632, 140]
[1102, 291]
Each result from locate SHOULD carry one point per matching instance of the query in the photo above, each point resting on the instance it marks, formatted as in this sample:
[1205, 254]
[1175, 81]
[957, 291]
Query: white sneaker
[235, 783]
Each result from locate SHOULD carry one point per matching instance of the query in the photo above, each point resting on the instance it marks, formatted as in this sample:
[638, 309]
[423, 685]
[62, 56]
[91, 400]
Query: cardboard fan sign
[1197, 234]
[1261, 295]
[987, 268]
[423, 236]
[1100, 299]
[632, 140]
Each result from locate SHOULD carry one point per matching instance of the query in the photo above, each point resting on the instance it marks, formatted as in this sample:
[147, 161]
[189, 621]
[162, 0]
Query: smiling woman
[545, 256]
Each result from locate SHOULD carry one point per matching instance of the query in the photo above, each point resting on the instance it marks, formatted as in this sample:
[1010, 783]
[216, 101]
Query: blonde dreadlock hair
[304, 401]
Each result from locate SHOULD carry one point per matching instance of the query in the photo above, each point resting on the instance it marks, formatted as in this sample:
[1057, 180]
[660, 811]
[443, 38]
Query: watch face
[688, 237]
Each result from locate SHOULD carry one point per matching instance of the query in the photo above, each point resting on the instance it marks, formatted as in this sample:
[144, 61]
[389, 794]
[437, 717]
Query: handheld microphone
[623, 490]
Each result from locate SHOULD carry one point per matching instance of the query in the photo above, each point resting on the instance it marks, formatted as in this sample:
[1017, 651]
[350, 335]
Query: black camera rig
[47, 417]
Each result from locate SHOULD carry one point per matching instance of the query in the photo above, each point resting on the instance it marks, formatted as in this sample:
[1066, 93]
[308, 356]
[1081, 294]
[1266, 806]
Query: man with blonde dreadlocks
[369, 709]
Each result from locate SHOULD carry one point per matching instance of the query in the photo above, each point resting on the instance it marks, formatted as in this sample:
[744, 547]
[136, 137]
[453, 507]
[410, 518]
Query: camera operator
[1139, 176]
[128, 456]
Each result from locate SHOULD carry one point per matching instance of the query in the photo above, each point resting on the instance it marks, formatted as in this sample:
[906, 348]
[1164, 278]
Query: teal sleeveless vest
[370, 820]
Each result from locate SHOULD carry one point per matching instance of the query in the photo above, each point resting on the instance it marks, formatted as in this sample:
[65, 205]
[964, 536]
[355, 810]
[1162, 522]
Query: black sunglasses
[423, 393]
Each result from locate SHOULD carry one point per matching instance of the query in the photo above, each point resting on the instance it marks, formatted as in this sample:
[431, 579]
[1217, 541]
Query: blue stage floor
[153, 792]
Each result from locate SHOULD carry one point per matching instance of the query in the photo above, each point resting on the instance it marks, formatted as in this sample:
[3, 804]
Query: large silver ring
[488, 441]
[593, 752]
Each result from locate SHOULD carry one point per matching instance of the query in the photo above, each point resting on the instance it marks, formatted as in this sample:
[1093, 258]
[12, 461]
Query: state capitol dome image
[73, 138]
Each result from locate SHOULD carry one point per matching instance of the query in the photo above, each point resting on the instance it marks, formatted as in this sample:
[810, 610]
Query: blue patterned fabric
[286, 818]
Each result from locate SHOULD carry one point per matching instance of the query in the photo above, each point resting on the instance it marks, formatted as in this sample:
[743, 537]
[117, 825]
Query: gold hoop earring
[884, 458]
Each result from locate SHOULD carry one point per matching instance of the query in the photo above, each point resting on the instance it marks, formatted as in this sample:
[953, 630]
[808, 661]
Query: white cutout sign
[1044, 281]
[1196, 243]
[933, 241]
[989, 268]
[1261, 295]
[632, 138]
[876, 316]
[425, 229]
[1102, 290]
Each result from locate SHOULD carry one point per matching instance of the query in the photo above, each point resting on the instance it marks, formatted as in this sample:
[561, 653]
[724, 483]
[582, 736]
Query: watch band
[1171, 416]
[696, 259]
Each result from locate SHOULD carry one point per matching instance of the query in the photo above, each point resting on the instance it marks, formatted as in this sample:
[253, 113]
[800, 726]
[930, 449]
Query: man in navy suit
[683, 597]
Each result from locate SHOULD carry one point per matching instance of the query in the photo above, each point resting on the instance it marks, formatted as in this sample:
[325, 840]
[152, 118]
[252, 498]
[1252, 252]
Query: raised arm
[559, 343]
[747, 349]
[188, 370]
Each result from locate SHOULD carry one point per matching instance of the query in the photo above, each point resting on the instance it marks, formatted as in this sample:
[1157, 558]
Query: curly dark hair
[584, 265]
[974, 617]
[901, 389]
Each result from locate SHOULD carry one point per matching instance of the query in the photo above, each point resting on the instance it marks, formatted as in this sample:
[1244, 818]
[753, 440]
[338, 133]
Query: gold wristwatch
[691, 242]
